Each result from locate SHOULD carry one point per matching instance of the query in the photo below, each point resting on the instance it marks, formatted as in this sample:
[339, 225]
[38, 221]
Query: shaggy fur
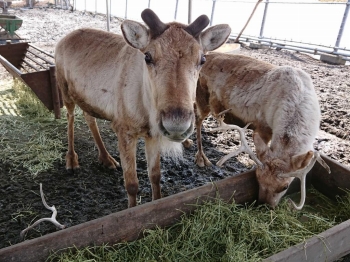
[281, 104]
[109, 77]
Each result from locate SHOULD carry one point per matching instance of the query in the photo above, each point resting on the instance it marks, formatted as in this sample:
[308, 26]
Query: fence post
[212, 12]
[189, 11]
[177, 4]
[263, 20]
[107, 9]
[126, 9]
[342, 25]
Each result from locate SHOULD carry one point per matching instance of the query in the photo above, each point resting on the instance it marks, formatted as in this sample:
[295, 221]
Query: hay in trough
[218, 231]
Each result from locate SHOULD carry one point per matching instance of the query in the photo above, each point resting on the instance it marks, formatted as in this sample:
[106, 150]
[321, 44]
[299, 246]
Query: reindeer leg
[201, 158]
[71, 156]
[104, 157]
[127, 149]
[153, 166]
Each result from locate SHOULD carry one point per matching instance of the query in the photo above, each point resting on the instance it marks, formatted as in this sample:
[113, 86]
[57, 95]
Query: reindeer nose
[177, 124]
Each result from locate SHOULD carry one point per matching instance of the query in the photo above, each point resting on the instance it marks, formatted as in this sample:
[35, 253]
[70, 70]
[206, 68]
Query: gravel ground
[95, 191]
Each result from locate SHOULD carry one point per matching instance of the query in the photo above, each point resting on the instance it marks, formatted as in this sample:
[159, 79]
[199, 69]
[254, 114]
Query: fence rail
[126, 8]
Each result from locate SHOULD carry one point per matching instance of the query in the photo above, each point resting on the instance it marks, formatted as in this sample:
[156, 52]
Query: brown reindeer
[282, 107]
[144, 82]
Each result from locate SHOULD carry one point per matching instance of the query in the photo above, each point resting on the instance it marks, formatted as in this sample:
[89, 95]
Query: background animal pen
[309, 26]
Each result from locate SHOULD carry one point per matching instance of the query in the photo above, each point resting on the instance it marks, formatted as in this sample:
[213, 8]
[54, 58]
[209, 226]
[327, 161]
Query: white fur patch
[170, 149]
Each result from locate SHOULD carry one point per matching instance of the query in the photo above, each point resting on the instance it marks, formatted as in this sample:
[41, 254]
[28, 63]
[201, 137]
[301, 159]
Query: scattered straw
[30, 137]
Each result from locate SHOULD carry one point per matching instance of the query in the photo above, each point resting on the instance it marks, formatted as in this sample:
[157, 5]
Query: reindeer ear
[302, 160]
[261, 148]
[135, 34]
[214, 37]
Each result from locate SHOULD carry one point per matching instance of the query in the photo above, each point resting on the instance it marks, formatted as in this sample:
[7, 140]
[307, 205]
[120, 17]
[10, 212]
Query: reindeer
[144, 82]
[281, 105]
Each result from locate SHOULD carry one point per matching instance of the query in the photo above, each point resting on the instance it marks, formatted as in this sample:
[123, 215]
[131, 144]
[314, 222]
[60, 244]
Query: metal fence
[316, 21]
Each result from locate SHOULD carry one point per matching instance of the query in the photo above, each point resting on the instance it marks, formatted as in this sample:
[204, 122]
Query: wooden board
[330, 245]
[128, 225]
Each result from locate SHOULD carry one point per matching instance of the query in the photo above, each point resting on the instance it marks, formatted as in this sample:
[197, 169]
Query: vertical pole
[263, 20]
[84, 5]
[189, 11]
[177, 4]
[95, 7]
[108, 16]
[55, 93]
[212, 13]
[250, 17]
[149, 3]
[342, 25]
[126, 9]
[110, 10]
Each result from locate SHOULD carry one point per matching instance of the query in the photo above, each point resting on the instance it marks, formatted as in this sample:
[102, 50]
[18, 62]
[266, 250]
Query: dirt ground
[95, 192]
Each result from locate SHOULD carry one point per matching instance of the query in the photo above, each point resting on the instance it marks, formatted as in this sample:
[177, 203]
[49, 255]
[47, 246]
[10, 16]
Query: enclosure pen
[92, 203]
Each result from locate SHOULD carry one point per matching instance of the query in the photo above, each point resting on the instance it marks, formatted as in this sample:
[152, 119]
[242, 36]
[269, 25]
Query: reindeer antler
[244, 144]
[52, 219]
[301, 174]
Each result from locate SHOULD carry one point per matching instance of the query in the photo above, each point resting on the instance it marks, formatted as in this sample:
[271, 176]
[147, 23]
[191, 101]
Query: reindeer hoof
[108, 162]
[72, 171]
[202, 160]
[187, 143]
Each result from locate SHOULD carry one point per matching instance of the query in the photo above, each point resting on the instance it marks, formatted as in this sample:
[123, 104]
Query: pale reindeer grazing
[282, 106]
[144, 83]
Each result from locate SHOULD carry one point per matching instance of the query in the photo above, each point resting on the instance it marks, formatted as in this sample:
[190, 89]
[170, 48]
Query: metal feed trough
[8, 25]
[128, 225]
[34, 67]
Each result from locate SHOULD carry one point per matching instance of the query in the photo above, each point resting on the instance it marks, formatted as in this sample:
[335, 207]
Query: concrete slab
[258, 46]
[332, 59]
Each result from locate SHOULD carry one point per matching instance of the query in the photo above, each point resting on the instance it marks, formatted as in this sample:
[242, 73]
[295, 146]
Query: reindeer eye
[203, 59]
[284, 188]
[148, 58]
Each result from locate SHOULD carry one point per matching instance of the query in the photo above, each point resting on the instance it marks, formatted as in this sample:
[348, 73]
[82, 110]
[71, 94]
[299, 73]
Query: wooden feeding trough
[117, 227]
[36, 69]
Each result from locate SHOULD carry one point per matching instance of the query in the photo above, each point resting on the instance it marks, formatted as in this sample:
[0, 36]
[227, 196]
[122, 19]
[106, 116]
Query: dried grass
[218, 231]
[31, 138]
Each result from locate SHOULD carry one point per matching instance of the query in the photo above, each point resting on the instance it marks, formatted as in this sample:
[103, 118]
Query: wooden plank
[330, 245]
[127, 225]
[14, 53]
[331, 184]
[9, 67]
[40, 83]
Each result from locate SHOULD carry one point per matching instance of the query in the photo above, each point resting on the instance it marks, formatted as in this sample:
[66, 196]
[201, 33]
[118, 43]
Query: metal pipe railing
[264, 19]
[212, 12]
[342, 25]
[316, 48]
[261, 37]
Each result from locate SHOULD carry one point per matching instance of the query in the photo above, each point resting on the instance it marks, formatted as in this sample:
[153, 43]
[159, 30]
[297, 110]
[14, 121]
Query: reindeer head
[278, 171]
[173, 54]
